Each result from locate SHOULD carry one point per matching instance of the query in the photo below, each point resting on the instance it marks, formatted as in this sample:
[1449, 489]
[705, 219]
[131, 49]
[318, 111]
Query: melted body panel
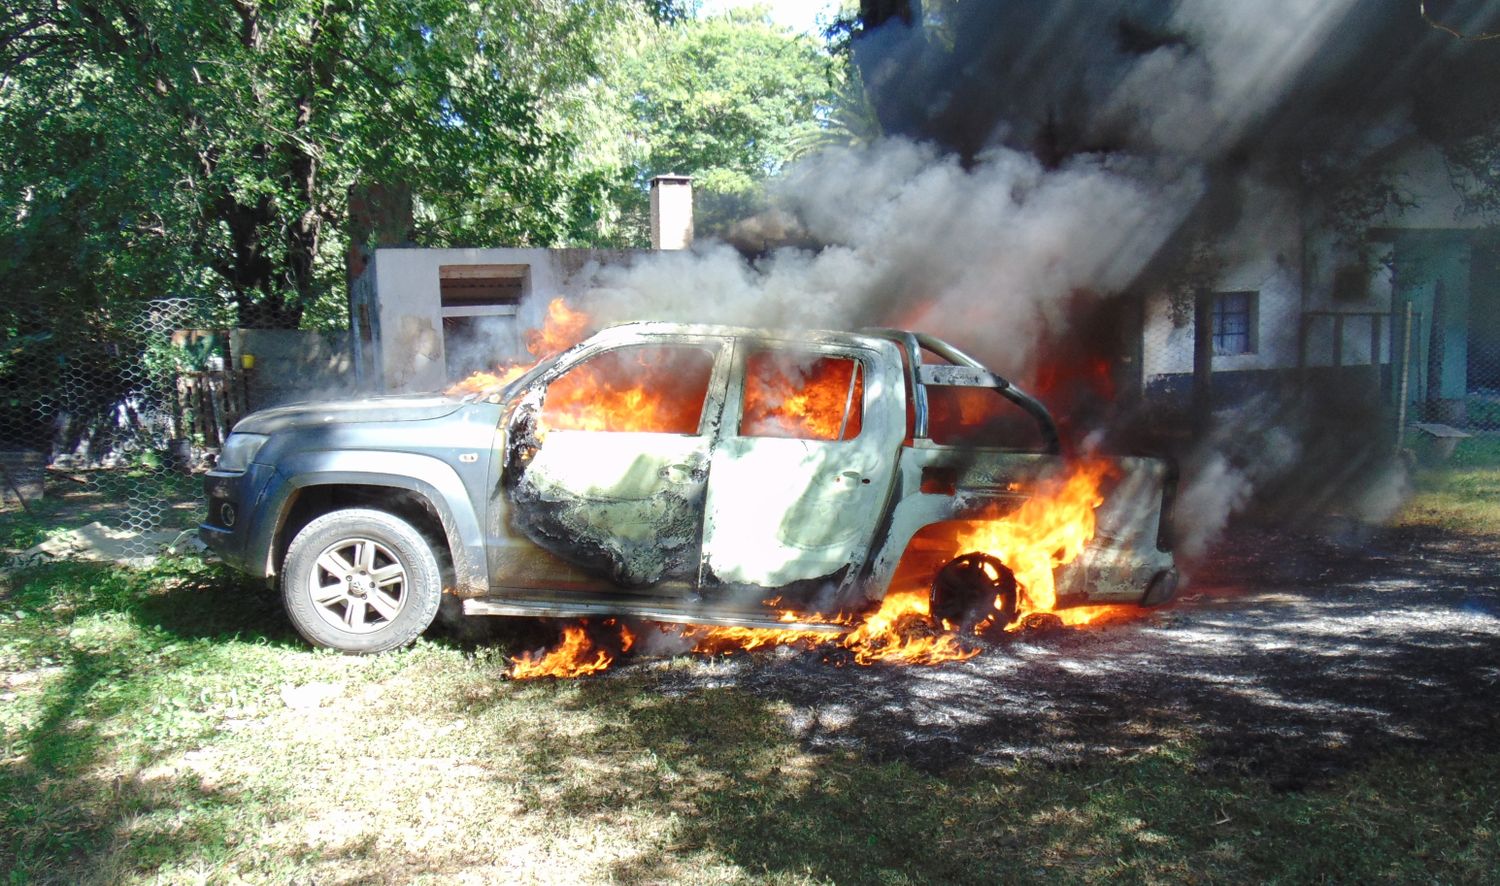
[781, 511]
[629, 505]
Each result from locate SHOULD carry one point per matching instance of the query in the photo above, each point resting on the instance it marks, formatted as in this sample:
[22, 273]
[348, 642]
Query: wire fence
[99, 432]
[1423, 367]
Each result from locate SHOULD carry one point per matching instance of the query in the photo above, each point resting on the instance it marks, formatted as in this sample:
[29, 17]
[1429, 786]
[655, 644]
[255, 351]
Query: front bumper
[235, 523]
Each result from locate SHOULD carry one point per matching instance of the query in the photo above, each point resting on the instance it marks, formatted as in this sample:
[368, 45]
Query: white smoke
[984, 256]
[993, 253]
[1241, 453]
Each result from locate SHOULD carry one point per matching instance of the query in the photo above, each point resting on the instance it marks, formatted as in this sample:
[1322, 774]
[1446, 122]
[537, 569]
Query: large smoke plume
[1049, 157]
[985, 255]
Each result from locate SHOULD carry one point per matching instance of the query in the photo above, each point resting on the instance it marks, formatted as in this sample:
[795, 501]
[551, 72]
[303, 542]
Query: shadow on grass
[744, 802]
[63, 808]
[218, 605]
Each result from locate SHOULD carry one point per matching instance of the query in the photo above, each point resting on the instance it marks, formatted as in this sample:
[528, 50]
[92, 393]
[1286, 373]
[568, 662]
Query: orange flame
[575, 656]
[563, 328]
[808, 402]
[1048, 530]
[716, 641]
[900, 630]
[658, 388]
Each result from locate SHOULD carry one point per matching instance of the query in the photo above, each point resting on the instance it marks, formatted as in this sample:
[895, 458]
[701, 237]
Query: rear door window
[802, 395]
[958, 416]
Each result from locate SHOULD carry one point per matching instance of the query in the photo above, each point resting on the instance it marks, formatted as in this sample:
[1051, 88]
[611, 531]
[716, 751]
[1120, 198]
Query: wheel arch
[422, 490]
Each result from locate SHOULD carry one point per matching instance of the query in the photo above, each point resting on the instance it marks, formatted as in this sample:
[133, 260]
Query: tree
[150, 148]
[726, 99]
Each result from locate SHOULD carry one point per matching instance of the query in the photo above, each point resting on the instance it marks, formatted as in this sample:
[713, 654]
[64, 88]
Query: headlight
[238, 450]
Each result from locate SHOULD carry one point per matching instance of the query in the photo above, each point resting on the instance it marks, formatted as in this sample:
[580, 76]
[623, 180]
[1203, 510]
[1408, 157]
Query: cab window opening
[802, 396]
[658, 389]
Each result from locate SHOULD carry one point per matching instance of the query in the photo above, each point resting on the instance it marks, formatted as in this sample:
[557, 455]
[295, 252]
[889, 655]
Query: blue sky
[799, 15]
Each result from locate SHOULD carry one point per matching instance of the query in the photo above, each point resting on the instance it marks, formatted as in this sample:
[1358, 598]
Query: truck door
[804, 463]
[611, 474]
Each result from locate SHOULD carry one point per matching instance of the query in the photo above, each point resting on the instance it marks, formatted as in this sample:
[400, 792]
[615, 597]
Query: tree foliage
[149, 148]
[206, 148]
[727, 99]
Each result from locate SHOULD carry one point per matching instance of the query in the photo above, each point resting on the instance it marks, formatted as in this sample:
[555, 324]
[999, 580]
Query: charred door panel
[613, 478]
[626, 505]
[804, 464]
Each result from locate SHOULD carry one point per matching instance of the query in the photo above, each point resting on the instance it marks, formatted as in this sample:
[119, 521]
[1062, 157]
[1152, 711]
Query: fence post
[1405, 379]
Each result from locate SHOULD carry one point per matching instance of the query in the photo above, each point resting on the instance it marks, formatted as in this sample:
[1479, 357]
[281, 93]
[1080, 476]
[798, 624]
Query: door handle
[677, 473]
[853, 477]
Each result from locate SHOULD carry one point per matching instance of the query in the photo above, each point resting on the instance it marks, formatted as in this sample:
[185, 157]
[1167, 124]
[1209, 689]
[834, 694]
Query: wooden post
[1203, 356]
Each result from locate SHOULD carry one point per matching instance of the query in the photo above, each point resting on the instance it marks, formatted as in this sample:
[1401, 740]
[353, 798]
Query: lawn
[1462, 496]
[166, 725]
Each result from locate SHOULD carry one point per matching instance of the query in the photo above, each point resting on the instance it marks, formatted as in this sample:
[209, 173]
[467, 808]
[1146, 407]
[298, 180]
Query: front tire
[360, 581]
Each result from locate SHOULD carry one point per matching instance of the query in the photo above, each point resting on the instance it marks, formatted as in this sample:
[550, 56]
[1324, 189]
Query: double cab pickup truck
[672, 472]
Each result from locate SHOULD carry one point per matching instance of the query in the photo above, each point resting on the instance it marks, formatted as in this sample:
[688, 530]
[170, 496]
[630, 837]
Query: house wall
[1423, 177]
[401, 291]
[1263, 255]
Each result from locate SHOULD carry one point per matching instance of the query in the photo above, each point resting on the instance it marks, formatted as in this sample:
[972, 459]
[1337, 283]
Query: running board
[653, 612]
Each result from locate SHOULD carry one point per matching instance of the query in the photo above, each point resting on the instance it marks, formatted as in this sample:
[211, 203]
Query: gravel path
[1293, 658]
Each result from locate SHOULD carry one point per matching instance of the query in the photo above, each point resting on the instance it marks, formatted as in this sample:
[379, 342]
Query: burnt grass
[1291, 658]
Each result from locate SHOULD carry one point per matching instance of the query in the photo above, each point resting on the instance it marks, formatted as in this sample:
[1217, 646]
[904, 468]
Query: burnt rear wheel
[360, 581]
[971, 588]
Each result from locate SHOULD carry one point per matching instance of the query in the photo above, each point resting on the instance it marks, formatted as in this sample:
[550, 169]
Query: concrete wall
[293, 364]
[401, 292]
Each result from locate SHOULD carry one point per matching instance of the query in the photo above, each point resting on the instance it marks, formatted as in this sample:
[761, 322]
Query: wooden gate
[208, 404]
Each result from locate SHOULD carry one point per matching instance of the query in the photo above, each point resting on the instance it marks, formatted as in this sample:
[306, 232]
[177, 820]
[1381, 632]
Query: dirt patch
[1292, 658]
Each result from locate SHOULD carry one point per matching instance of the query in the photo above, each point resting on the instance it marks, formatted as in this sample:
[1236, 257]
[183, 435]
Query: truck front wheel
[360, 581]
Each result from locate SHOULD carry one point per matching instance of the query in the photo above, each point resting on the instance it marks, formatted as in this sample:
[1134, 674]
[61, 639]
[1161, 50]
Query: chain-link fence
[1482, 341]
[103, 417]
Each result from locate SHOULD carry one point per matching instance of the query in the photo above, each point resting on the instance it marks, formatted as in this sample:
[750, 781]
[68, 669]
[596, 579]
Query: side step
[664, 612]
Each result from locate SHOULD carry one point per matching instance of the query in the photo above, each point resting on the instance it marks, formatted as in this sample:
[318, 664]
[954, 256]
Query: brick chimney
[671, 212]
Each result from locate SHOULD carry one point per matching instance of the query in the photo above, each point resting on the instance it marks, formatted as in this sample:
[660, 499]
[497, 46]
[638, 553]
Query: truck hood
[418, 407]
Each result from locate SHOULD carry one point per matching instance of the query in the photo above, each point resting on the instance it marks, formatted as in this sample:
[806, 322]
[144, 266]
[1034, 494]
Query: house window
[1234, 323]
[479, 315]
[479, 290]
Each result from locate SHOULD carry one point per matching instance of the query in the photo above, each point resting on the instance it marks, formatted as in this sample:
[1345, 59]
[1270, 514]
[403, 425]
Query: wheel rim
[358, 585]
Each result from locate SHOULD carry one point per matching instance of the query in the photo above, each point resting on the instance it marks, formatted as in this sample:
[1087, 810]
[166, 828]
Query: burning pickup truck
[752, 480]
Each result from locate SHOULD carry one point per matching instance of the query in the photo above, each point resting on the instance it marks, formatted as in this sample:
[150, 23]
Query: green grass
[1461, 495]
[166, 726]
